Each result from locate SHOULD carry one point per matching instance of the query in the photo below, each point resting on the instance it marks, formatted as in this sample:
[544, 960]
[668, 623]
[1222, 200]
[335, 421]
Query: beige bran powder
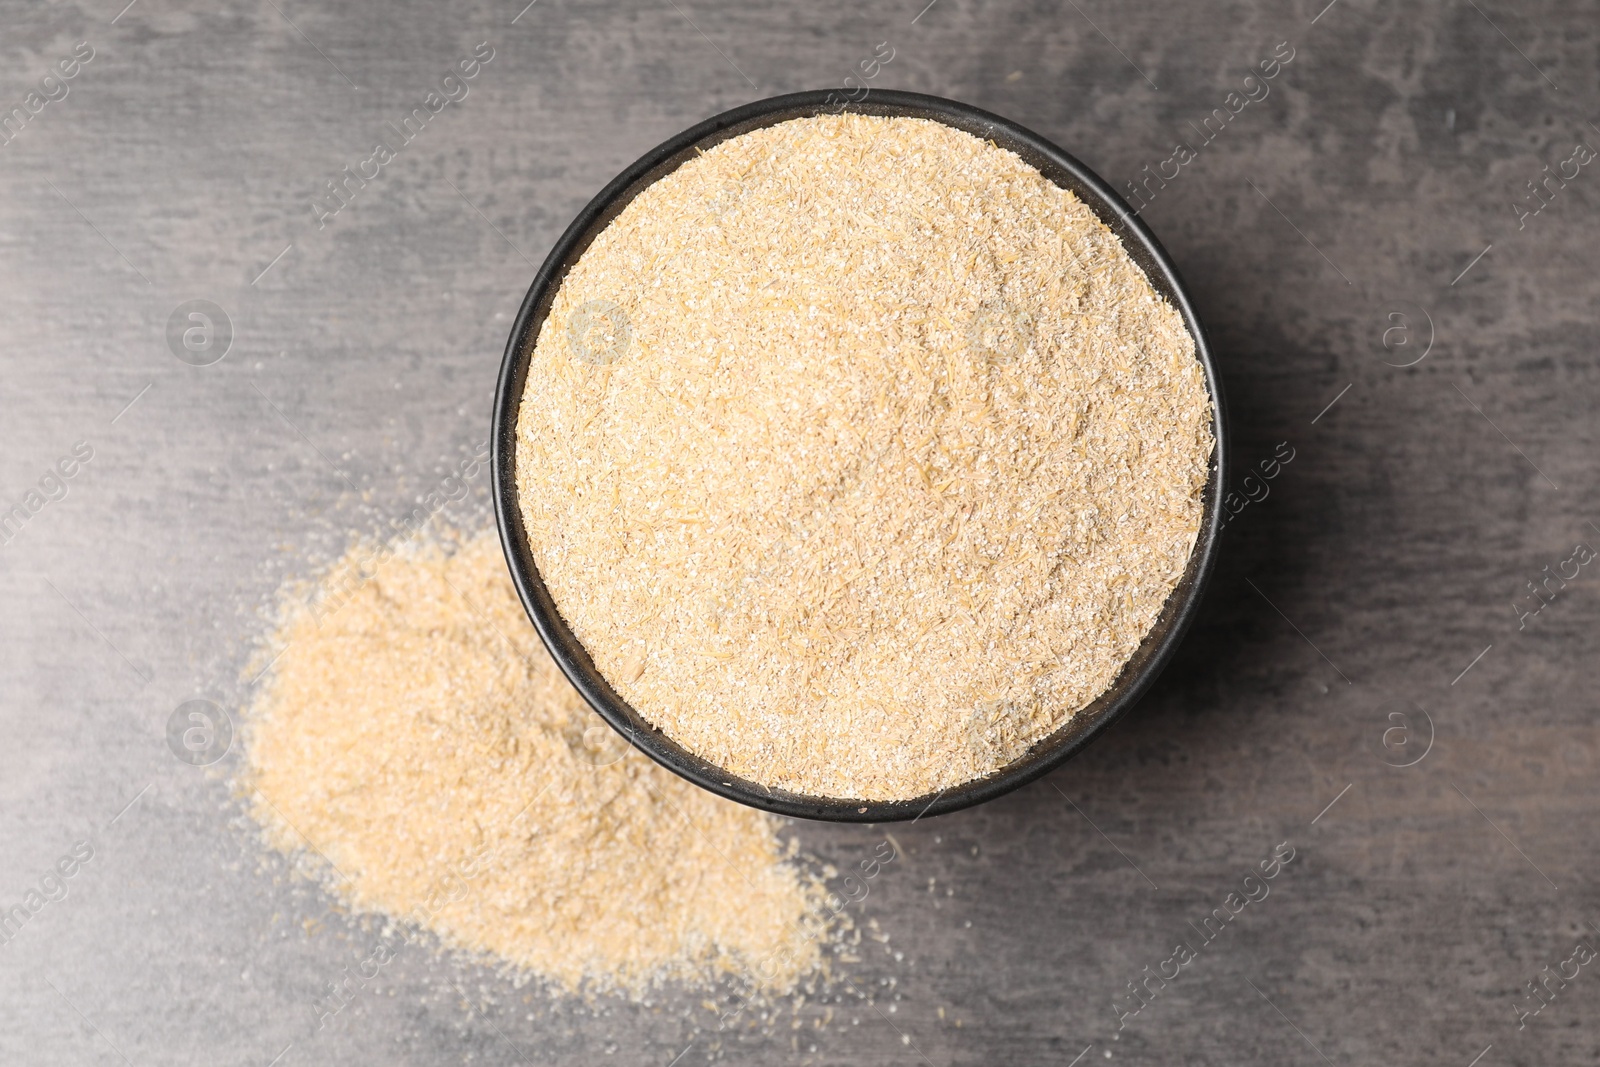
[419, 739]
[860, 456]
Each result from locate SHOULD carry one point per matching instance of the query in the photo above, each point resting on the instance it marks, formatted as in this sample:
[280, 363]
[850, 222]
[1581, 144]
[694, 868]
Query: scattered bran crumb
[860, 456]
[421, 739]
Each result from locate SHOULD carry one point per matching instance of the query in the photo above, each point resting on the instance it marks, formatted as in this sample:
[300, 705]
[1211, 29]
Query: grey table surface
[1374, 209]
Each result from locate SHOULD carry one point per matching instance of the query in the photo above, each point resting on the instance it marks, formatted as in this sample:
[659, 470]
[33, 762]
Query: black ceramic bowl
[1061, 168]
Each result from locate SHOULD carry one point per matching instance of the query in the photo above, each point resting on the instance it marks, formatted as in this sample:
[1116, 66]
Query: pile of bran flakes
[416, 739]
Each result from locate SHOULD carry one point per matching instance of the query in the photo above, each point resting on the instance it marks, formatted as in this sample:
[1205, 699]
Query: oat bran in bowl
[859, 463]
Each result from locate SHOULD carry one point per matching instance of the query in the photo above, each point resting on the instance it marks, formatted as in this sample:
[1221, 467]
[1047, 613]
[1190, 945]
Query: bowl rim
[1070, 738]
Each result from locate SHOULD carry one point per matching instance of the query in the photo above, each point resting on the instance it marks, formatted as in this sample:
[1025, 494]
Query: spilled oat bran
[418, 739]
